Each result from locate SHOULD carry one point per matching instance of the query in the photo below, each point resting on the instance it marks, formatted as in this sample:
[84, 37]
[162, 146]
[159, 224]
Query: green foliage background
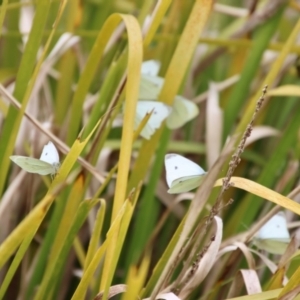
[106, 221]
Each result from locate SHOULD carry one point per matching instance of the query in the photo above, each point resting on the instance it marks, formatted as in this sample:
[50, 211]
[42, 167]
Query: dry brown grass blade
[245, 278]
[260, 132]
[214, 125]
[113, 291]
[201, 268]
[247, 254]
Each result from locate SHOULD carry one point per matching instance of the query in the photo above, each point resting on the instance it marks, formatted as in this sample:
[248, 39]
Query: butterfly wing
[150, 87]
[150, 67]
[33, 165]
[182, 174]
[183, 111]
[274, 235]
[274, 246]
[160, 112]
[185, 184]
[275, 228]
[50, 154]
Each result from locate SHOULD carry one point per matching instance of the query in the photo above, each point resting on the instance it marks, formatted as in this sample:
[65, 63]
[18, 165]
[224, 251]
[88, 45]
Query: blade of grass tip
[73, 155]
[88, 274]
[142, 125]
[35, 217]
[24, 77]
[136, 278]
[95, 238]
[15, 263]
[263, 192]
[106, 181]
[285, 90]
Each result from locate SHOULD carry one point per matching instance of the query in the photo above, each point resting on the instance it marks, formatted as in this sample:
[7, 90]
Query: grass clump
[104, 225]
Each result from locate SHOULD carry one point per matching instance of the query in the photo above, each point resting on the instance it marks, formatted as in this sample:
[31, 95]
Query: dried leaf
[247, 279]
[214, 125]
[260, 132]
[113, 290]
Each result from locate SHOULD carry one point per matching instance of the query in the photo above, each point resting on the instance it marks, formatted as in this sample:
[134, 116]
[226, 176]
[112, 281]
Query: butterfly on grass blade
[47, 164]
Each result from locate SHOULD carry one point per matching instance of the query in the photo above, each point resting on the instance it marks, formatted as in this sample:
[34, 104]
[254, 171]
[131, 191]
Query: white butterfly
[274, 236]
[183, 110]
[182, 174]
[47, 164]
[160, 112]
[150, 87]
[151, 67]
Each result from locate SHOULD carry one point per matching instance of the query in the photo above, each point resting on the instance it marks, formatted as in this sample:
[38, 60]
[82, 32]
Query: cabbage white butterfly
[47, 164]
[183, 110]
[150, 87]
[182, 174]
[274, 236]
[160, 112]
[150, 67]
